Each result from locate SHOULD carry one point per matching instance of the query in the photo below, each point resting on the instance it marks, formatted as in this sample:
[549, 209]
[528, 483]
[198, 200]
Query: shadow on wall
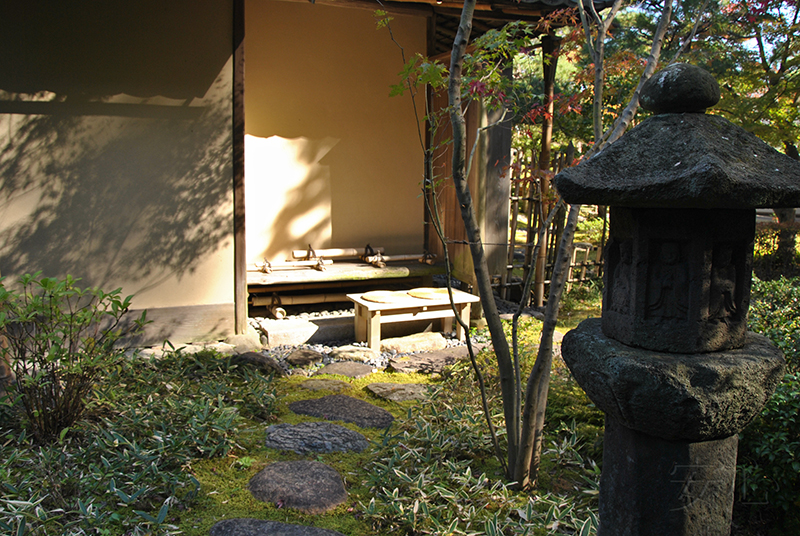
[98, 178]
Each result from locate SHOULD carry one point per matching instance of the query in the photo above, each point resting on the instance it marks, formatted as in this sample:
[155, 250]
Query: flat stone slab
[259, 527]
[351, 369]
[354, 353]
[315, 437]
[399, 392]
[321, 384]
[309, 486]
[418, 342]
[687, 397]
[303, 357]
[432, 362]
[344, 408]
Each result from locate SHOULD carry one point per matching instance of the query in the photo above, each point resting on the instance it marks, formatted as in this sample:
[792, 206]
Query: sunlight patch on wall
[288, 196]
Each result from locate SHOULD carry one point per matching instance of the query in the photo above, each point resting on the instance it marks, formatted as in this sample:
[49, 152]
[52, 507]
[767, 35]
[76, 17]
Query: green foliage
[775, 313]
[127, 467]
[769, 467]
[438, 476]
[60, 340]
[769, 455]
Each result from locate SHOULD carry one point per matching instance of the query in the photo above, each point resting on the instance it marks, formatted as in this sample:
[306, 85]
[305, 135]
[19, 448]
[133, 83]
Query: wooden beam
[239, 241]
[395, 7]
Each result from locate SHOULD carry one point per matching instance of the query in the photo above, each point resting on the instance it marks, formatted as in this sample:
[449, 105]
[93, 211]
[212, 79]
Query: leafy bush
[769, 464]
[60, 339]
[126, 469]
[769, 454]
[775, 313]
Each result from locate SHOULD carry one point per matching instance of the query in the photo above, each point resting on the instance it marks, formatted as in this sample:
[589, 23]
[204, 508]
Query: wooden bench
[369, 315]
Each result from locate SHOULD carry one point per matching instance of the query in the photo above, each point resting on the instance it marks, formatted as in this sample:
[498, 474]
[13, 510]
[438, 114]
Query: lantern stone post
[670, 362]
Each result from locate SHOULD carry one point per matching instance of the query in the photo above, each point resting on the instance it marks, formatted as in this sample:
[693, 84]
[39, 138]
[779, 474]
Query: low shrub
[768, 472]
[126, 468]
[775, 313]
[769, 456]
[61, 338]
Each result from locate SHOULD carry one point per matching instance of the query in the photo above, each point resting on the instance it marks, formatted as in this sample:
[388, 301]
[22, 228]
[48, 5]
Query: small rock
[346, 368]
[263, 363]
[432, 362]
[303, 357]
[249, 342]
[353, 353]
[325, 385]
[399, 392]
[419, 342]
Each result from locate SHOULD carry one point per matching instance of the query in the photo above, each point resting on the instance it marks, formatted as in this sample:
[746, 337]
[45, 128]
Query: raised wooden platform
[308, 285]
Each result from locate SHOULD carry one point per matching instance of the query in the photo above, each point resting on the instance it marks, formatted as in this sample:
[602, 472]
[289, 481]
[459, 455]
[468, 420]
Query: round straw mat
[385, 296]
[427, 293]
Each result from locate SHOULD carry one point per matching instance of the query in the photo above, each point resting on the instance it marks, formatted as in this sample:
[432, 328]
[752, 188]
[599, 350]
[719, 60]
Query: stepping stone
[350, 369]
[308, 486]
[432, 362]
[259, 527]
[264, 363]
[419, 342]
[399, 392]
[320, 384]
[344, 408]
[304, 357]
[354, 353]
[315, 437]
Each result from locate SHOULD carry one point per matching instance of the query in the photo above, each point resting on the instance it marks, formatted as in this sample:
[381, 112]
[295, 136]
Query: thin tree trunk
[482, 276]
[786, 219]
[529, 457]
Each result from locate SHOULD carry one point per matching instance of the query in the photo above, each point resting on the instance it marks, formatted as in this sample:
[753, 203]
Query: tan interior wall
[330, 158]
[115, 146]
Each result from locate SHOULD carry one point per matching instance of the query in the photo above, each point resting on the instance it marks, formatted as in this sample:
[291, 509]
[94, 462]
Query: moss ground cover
[168, 446]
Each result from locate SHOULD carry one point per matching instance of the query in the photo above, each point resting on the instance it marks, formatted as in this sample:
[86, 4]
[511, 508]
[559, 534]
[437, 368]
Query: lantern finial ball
[680, 88]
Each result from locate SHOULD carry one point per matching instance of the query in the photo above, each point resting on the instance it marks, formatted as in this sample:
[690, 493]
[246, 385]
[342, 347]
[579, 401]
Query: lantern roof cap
[684, 160]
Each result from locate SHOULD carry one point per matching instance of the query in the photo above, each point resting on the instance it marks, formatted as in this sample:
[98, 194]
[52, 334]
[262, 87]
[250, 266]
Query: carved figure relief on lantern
[677, 280]
[667, 282]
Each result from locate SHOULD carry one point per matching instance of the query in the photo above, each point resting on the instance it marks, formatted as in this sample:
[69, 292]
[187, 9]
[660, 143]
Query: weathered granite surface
[399, 392]
[344, 408]
[309, 486]
[684, 160]
[689, 397]
[680, 87]
[264, 363]
[322, 384]
[654, 487]
[303, 357]
[354, 353]
[432, 362]
[315, 437]
[261, 527]
[351, 369]
[418, 342]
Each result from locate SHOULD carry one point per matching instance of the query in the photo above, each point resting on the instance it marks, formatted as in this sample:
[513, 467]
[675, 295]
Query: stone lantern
[671, 362]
